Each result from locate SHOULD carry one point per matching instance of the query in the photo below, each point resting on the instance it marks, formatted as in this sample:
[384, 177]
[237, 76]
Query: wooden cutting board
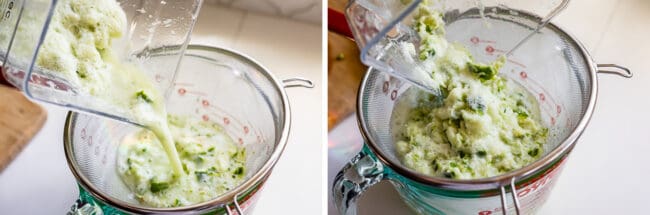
[20, 120]
[345, 72]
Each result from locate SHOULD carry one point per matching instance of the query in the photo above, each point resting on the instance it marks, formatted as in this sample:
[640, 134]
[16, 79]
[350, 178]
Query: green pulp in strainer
[212, 162]
[478, 125]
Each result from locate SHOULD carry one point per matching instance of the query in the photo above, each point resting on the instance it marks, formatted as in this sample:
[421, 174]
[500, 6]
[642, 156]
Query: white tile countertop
[38, 181]
[607, 171]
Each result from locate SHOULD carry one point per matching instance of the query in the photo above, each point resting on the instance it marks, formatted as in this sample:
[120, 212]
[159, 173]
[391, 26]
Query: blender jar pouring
[380, 28]
[148, 25]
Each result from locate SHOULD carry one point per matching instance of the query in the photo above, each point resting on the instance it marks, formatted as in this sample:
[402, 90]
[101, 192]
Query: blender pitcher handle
[361, 173]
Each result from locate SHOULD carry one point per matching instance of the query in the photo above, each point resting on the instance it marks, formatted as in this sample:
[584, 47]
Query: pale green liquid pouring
[79, 48]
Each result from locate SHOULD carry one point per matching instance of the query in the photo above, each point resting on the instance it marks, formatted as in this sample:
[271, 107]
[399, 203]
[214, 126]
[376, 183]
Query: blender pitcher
[150, 24]
[379, 26]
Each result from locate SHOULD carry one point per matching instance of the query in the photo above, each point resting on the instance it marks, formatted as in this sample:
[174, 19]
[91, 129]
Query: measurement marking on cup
[182, 91]
[237, 129]
[219, 113]
[159, 78]
[544, 106]
[7, 13]
[552, 108]
[183, 84]
[523, 75]
[366, 30]
[533, 192]
[83, 134]
[477, 40]
[206, 104]
[516, 63]
[105, 158]
[491, 50]
[545, 95]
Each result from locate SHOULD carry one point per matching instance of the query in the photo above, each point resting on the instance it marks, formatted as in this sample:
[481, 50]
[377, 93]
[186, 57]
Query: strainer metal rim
[495, 182]
[221, 201]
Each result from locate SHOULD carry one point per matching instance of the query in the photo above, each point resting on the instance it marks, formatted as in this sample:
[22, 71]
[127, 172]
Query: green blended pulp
[212, 164]
[477, 125]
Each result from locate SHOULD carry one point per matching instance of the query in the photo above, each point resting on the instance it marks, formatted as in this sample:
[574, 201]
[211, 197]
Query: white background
[39, 182]
[304, 10]
[608, 171]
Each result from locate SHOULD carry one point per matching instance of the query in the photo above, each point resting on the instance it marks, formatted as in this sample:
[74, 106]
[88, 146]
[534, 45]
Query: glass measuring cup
[553, 66]
[151, 24]
[213, 84]
[379, 27]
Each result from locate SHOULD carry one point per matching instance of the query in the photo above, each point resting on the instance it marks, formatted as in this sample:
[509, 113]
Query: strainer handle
[237, 207]
[356, 177]
[297, 82]
[504, 196]
[614, 69]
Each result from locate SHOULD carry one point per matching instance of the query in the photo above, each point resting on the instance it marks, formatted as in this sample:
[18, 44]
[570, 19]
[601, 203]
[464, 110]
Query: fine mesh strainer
[552, 65]
[212, 84]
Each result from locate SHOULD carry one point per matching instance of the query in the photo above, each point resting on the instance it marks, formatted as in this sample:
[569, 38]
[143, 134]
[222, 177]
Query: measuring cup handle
[81, 207]
[86, 205]
[356, 177]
